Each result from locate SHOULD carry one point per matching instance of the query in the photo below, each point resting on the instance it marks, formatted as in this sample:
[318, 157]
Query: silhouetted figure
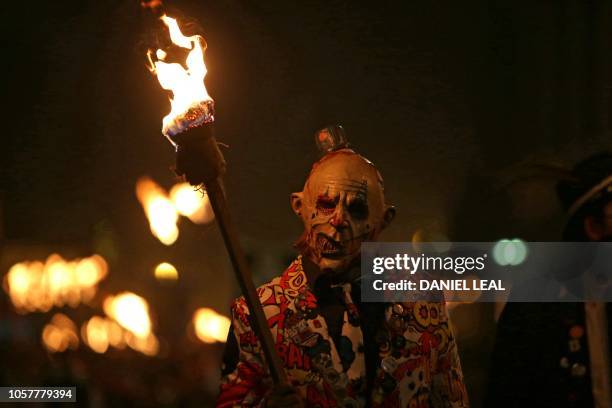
[556, 354]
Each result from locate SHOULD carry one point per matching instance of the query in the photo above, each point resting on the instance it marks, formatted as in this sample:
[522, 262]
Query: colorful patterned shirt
[397, 355]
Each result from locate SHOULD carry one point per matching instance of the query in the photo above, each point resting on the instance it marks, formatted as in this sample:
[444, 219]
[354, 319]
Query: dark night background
[457, 103]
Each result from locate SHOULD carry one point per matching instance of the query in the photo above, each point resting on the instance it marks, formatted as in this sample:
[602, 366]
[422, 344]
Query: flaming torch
[189, 127]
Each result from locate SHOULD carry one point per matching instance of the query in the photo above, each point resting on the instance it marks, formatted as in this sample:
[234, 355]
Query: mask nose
[339, 218]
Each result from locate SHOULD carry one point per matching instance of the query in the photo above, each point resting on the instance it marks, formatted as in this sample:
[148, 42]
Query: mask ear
[296, 203]
[388, 216]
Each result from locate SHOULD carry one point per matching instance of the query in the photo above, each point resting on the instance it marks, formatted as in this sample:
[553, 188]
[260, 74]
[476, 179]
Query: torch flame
[38, 286]
[159, 209]
[192, 203]
[100, 333]
[190, 102]
[60, 334]
[130, 311]
[210, 326]
[95, 334]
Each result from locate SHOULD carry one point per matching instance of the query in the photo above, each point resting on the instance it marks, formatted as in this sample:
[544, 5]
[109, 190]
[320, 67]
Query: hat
[589, 183]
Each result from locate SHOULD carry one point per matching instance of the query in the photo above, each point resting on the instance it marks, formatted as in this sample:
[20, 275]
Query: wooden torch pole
[201, 162]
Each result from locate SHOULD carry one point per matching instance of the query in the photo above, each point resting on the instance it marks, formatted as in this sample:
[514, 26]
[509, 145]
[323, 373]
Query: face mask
[342, 205]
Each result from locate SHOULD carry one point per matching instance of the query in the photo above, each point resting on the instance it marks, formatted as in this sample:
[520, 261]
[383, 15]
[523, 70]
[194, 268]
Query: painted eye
[326, 205]
[358, 209]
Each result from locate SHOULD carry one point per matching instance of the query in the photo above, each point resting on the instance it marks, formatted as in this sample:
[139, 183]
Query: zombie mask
[341, 206]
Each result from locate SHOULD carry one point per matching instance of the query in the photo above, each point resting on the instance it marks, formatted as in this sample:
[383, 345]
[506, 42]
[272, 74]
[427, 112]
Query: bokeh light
[37, 286]
[210, 326]
[60, 334]
[510, 252]
[192, 203]
[159, 210]
[166, 271]
[130, 311]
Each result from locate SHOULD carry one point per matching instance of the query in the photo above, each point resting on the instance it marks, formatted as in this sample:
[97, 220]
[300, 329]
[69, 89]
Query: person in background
[557, 354]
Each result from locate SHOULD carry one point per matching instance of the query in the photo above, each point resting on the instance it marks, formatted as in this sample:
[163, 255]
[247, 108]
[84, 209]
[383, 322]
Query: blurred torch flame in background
[146, 345]
[128, 323]
[210, 326]
[159, 210]
[191, 203]
[99, 332]
[186, 85]
[39, 286]
[60, 334]
[130, 311]
[36, 286]
[163, 209]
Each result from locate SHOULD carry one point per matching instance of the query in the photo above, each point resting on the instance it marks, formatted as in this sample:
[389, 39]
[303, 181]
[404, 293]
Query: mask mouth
[329, 247]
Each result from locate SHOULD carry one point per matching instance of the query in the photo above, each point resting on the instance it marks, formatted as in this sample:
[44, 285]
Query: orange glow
[166, 271]
[186, 85]
[60, 334]
[191, 203]
[151, 4]
[146, 345]
[115, 334]
[95, 334]
[159, 209]
[130, 311]
[210, 326]
[37, 286]
[101, 333]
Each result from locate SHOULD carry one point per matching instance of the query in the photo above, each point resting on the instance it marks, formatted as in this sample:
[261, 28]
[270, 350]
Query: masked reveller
[337, 350]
